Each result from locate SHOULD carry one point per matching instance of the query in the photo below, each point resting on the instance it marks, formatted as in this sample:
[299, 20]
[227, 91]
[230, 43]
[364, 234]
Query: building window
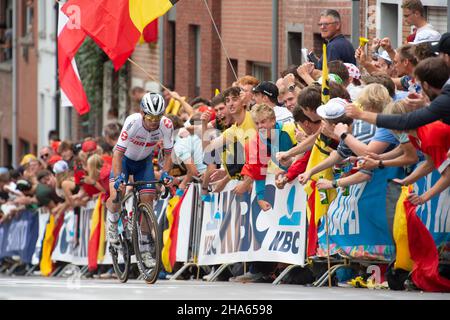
[194, 61]
[171, 54]
[389, 25]
[318, 44]
[261, 71]
[295, 48]
[43, 19]
[24, 147]
[437, 17]
[28, 17]
[6, 33]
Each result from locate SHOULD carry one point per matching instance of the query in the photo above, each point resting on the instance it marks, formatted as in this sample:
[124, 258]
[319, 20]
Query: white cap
[60, 167]
[334, 109]
[385, 56]
[426, 35]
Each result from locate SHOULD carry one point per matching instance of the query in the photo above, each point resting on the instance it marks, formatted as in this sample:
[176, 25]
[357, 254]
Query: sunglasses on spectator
[153, 118]
[44, 156]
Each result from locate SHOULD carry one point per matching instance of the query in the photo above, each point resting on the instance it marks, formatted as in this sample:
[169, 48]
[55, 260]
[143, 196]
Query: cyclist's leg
[147, 195]
[114, 208]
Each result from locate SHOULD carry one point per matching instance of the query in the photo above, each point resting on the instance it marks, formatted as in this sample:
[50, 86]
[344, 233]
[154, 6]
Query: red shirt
[298, 167]
[434, 140]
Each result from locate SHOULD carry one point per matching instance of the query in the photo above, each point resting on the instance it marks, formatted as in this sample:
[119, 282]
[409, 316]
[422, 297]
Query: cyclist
[133, 155]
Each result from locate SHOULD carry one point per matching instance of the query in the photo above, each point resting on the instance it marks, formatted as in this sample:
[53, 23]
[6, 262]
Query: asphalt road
[32, 288]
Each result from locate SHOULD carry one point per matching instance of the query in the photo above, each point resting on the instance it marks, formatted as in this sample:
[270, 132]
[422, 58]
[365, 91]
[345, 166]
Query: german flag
[116, 25]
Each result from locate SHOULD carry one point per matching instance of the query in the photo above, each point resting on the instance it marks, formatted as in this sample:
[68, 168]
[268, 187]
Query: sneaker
[148, 260]
[113, 232]
[209, 275]
[248, 277]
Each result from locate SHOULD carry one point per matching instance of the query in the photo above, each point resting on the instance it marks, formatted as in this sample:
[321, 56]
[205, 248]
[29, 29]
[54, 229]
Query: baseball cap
[334, 109]
[385, 56]
[23, 185]
[353, 71]
[443, 45]
[267, 88]
[89, 146]
[60, 167]
[54, 159]
[27, 158]
[426, 35]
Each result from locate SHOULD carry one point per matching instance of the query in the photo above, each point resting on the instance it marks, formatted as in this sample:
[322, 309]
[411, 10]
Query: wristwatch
[343, 136]
[334, 183]
[380, 164]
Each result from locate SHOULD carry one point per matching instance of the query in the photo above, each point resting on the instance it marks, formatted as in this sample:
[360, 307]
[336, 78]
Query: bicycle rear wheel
[146, 241]
[121, 268]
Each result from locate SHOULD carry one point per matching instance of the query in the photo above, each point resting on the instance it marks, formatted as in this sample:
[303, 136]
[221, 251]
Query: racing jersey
[137, 143]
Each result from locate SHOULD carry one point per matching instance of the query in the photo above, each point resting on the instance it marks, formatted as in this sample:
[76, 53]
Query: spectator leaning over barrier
[67, 189]
[309, 100]
[338, 47]
[414, 14]
[434, 74]
[333, 114]
[373, 97]
[260, 152]
[233, 158]
[188, 151]
[432, 140]
[309, 128]
[45, 191]
[405, 62]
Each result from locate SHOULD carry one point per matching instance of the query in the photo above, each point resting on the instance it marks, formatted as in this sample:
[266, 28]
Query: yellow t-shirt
[233, 155]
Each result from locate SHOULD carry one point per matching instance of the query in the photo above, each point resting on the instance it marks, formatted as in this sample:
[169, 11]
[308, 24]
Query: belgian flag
[116, 25]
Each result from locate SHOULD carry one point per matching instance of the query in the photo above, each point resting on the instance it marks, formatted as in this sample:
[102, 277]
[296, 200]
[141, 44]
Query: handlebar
[141, 183]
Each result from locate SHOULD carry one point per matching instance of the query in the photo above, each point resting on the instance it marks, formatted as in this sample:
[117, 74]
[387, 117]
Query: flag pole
[221, 41]
[148, 74]
[325, 98]
[328, 249]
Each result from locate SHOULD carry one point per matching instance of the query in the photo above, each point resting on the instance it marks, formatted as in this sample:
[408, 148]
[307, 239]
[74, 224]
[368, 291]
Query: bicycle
[132, 222]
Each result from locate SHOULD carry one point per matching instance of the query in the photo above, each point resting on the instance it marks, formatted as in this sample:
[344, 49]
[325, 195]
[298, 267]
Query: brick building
[194, 62]
[26, 81]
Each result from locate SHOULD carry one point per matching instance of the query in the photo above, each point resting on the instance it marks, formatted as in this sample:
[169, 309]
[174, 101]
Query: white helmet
[153, 103]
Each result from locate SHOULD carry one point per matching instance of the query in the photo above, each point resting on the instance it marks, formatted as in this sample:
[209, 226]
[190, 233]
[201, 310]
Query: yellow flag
[325, 77]
[400, 230]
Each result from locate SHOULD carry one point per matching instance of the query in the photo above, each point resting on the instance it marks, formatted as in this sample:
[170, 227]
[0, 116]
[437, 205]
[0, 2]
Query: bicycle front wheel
[146, 242]
[121, 257]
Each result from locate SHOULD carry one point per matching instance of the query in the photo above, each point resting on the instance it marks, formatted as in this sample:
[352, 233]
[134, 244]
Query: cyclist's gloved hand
[165, 177]
[118, 181]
